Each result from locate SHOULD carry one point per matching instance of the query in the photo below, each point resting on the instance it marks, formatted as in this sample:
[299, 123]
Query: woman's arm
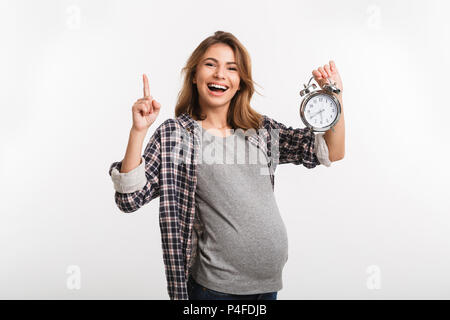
[140, 185]
[291, 145]
[136, 178]
[336, 140]
[132, 157]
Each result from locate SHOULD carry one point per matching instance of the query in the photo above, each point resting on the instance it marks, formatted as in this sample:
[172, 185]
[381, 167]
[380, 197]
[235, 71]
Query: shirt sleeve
[295, 146]
[321, 150]
[128, 182]
[141, 185]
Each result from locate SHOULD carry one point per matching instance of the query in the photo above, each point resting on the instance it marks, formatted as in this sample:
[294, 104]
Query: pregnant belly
[260, 254]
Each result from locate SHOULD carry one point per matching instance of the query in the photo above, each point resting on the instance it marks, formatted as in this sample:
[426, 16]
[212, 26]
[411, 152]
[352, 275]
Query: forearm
[132, 157]
[336, 140]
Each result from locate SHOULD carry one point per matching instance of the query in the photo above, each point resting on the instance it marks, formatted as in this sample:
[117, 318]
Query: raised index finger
[146, 87]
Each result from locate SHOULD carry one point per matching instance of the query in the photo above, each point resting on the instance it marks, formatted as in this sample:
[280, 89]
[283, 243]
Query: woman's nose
[219, 73]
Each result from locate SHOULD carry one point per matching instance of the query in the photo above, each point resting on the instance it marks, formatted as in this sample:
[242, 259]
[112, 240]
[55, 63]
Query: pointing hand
[145, 110]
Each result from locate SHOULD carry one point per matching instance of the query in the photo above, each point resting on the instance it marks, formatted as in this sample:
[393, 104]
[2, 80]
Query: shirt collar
[187, 122]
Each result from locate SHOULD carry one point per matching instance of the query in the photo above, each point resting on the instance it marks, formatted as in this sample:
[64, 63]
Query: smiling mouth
[215, 89]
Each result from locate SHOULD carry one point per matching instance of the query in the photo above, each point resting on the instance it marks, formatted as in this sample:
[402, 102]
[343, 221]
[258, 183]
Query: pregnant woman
[212, 166]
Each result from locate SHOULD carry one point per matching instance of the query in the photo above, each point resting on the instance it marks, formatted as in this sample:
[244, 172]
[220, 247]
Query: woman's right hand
[145, 110]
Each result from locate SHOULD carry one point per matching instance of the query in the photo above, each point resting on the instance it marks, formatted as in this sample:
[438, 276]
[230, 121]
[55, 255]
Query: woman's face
[218, 65]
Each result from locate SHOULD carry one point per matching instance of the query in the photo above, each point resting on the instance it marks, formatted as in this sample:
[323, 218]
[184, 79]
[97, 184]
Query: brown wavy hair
[240, 113]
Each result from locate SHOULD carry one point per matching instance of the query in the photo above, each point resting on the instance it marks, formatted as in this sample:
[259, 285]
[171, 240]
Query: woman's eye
[210, 64]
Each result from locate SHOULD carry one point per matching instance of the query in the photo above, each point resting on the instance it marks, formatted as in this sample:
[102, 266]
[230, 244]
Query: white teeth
[217, 86]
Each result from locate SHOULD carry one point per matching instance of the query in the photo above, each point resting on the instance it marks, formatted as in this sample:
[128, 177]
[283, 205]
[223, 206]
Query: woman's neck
[224, 132]
[216, 119]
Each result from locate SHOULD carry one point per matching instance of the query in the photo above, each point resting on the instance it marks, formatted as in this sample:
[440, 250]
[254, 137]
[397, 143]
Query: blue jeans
[198, 292]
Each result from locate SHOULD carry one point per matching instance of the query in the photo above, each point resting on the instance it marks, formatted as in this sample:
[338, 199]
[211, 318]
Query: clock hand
[317, 113]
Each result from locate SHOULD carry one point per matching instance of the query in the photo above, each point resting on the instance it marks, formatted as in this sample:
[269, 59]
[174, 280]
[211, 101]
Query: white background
[374, 225]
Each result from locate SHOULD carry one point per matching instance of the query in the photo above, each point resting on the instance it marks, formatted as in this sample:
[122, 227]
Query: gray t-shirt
[244, 246]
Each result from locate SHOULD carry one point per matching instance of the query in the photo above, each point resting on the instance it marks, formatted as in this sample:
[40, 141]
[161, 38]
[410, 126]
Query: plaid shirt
[168, 170]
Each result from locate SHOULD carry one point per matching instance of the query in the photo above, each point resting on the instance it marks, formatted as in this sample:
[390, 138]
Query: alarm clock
[320, 110]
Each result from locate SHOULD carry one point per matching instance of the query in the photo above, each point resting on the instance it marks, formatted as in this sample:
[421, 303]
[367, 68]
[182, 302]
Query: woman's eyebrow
[215, 60]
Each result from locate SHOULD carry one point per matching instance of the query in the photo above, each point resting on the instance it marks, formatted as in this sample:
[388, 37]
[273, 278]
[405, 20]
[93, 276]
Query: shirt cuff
[321, 150]
[128, 182]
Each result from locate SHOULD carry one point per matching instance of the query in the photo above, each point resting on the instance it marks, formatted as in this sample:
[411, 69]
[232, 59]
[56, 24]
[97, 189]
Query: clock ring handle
[332, 87]
[329, 80]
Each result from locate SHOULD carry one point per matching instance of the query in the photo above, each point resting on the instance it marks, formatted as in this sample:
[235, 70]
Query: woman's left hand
[328, 71]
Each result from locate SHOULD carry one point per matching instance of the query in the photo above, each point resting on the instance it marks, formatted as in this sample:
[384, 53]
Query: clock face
[320, 111]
